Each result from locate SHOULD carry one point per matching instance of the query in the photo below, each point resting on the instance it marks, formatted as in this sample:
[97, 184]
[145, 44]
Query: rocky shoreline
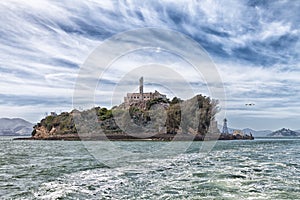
[124, 137]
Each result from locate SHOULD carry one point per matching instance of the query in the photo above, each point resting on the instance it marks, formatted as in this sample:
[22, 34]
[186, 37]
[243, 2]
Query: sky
[253, 44]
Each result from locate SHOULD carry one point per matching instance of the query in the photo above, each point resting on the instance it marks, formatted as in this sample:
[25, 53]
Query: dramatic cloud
[255, 45]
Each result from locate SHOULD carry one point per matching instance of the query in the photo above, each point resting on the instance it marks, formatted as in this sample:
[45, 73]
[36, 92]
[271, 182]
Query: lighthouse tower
[225, 128]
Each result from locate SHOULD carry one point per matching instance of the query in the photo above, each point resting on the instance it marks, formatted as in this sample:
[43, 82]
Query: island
[142, 116]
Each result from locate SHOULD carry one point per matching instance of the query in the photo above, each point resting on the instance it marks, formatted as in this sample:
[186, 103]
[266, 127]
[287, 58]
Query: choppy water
[259, 169]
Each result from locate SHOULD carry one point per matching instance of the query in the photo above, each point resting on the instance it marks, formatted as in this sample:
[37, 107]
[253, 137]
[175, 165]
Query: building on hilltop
[141, 96]
[53, 114]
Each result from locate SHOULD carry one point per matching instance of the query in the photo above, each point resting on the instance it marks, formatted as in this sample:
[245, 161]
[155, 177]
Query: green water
[259, 169]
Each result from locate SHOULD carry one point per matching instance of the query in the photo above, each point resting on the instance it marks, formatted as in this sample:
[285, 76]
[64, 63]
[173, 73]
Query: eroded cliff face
[42, 132]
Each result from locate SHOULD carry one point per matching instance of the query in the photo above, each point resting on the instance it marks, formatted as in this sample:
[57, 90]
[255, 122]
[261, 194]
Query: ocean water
[259, 169]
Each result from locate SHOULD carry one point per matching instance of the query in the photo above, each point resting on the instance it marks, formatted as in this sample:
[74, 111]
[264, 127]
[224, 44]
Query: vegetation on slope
[155, 116]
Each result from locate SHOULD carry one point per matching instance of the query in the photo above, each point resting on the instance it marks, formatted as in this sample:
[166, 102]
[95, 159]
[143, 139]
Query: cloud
[255, 45]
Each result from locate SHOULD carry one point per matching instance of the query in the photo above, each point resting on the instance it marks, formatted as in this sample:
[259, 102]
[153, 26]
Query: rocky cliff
[53, 126]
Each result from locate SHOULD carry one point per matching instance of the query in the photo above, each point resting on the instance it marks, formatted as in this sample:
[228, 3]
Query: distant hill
[15, 127]
[262, 133]
[284, 133]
